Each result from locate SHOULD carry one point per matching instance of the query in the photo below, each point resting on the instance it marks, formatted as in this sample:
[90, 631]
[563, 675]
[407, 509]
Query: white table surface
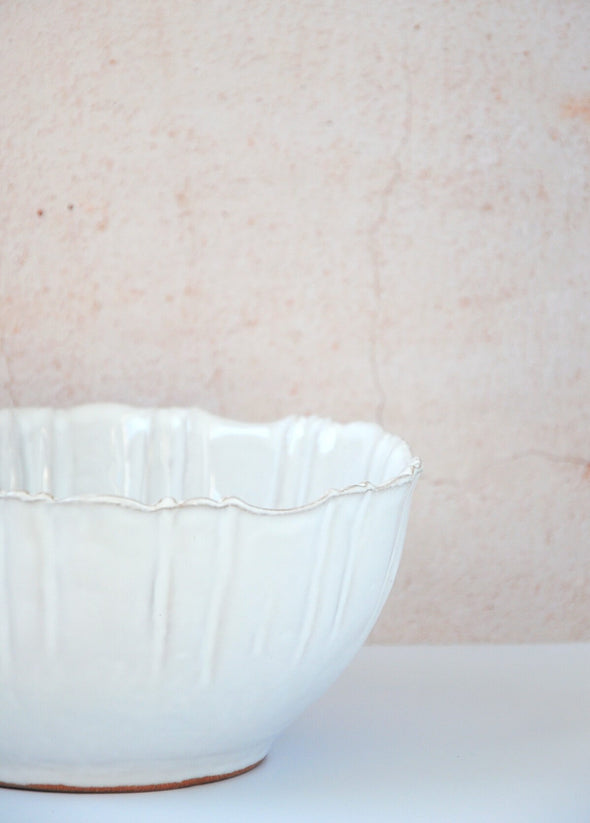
[462, 733]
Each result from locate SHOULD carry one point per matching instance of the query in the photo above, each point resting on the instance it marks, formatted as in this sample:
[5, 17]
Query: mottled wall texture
[360, 209]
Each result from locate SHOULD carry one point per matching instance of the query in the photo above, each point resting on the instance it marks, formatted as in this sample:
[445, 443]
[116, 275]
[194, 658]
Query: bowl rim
[410, 473]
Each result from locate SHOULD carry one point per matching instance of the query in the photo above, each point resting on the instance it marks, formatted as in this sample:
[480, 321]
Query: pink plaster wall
[357, 209]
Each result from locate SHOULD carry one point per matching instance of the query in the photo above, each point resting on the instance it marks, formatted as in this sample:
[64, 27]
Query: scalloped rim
[410, 474]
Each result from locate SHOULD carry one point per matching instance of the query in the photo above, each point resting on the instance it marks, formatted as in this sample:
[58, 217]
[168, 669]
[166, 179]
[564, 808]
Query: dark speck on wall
[40, 212]
[70, 206]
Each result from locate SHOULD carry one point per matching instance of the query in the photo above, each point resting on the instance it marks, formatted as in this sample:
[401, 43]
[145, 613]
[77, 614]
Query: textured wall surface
[358, 209]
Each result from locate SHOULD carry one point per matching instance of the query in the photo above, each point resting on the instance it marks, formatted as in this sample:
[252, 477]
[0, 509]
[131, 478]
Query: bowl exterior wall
[141, 647]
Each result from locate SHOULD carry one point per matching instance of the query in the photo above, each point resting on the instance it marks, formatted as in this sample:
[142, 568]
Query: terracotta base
[153, 787]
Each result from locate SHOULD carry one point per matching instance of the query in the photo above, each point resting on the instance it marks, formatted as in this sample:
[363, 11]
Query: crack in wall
[553, 458]
[375, 250]
[8, 379]
[540, 454]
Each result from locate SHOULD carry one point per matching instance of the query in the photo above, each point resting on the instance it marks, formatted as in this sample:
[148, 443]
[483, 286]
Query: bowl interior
[150, 454]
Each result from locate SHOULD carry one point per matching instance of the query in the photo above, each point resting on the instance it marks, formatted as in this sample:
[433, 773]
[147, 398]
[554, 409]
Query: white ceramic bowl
[175, 588]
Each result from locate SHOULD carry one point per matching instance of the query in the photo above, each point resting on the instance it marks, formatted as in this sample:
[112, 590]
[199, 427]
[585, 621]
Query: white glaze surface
[147, 643]
[168, 456]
